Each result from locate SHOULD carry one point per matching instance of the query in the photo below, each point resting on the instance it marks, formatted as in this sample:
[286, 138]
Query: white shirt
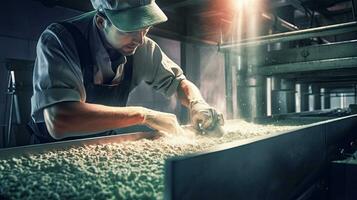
[57, 75]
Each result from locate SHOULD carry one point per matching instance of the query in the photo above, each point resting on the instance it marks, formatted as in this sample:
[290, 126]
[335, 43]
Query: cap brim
[135, 19]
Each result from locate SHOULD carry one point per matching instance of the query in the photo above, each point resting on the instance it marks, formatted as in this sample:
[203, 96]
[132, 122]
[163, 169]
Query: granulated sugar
[128, 170]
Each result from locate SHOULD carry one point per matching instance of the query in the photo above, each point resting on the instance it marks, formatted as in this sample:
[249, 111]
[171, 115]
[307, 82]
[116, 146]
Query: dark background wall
[22, 23]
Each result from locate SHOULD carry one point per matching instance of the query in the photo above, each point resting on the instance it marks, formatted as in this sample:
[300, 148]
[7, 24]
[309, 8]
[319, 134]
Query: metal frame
[12, 107]
[314, 52]
[63, 145]
[280, 166]
[315, 65]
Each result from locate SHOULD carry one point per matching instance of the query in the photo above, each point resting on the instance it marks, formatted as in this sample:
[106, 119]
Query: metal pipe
[279, 22]
[294, 35]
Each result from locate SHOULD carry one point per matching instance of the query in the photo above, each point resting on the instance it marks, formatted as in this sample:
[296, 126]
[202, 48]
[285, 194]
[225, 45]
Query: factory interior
[281, 74]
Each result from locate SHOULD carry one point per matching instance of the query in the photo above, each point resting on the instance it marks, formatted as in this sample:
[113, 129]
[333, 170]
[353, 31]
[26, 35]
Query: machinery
[291, 165]
[287, 165]
[299, 61]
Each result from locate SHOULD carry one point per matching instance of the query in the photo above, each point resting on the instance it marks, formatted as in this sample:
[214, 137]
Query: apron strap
[81, 44]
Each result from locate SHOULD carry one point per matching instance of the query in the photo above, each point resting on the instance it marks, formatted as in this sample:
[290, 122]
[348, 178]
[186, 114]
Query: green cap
[131, 15]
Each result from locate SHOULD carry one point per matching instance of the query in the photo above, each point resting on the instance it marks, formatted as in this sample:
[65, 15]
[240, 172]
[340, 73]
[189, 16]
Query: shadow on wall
[25, 21]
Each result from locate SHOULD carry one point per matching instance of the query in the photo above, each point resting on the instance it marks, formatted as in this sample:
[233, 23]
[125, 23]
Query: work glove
[203, 116]
[165, 123]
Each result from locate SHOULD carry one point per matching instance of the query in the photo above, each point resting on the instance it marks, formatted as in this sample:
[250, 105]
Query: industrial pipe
[279, 22]
[294, 35]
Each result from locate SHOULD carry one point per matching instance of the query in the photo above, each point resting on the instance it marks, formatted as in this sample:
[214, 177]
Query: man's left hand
[203, 116]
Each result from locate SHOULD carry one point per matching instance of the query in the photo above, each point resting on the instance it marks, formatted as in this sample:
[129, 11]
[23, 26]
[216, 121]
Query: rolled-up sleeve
[57, 76]
[154, 67]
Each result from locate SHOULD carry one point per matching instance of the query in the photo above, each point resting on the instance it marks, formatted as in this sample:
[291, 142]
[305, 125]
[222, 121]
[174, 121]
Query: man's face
[125, 42]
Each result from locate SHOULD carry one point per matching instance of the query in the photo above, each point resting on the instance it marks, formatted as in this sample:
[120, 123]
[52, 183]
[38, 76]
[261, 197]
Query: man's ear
[100, 22]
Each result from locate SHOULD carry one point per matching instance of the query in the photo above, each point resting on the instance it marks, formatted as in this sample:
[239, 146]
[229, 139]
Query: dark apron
[99, 94]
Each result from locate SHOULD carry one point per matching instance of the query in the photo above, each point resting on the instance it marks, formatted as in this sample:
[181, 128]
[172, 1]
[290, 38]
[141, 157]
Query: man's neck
[112, 52]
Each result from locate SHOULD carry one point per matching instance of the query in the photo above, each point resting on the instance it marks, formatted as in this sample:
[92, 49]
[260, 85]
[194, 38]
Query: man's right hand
[165, 123]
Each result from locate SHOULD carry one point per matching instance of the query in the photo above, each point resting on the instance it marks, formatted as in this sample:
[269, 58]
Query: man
[87, 66]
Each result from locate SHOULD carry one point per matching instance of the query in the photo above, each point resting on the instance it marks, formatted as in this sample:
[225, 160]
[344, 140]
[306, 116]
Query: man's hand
[165, 123]
[203, 116]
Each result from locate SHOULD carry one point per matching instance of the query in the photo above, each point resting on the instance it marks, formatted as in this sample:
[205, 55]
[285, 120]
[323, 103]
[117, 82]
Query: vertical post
[355, 93]
[327, 98]
[184, 115]
[276, 107]
[249, 89]
[354, 9]
[316, 92]
[251, 95]
[268, 95]
[228, 78]
[11, 92]
[304, 101]
[283, 96]
[288, 87]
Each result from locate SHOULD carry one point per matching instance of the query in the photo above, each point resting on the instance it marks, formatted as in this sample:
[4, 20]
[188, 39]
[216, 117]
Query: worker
[86, 67]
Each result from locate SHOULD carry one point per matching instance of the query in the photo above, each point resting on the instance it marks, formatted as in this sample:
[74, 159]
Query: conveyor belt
[62, 145]
[40, 148]
[280, 166]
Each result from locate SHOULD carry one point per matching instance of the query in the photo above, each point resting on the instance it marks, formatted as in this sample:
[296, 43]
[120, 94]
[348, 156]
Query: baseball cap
[131, 15]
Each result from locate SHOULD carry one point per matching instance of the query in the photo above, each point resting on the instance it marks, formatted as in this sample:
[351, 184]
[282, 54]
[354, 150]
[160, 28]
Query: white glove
[165, 123]
[203, 116]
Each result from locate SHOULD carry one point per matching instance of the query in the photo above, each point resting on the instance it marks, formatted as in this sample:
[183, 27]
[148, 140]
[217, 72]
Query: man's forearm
[68, 119]
[187, 92]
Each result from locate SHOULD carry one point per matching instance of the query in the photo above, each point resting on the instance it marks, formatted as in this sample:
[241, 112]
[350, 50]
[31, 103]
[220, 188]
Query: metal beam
[63, 145]
[354, 9]
[183, 4]
[297, 4]
[328, 83]
[338, 88]
[282, 3]
[314, 52]
[279, 22]
[316, 65]
[336, 74]
[294, 35]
